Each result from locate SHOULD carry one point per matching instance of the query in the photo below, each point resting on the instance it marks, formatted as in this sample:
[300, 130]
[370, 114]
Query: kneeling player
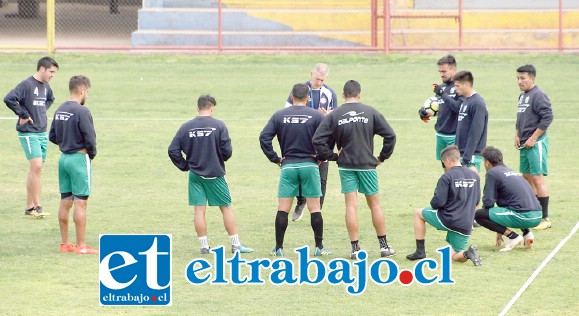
[453, 205]
[517, 205]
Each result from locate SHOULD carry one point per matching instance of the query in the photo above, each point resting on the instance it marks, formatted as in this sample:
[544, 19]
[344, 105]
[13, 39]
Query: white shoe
[529, 240]
[512, 243]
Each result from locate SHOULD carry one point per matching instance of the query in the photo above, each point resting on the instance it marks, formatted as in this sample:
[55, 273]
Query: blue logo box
[135, 270]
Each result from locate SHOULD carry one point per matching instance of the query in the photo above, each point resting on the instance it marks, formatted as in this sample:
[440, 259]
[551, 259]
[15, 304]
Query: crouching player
[517, 205]
[453, 205]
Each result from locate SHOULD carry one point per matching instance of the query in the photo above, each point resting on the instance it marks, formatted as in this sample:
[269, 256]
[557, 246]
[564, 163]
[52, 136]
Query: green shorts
[75, 174]
[363, 180]
[457, 241]
[443, 141]
[306, 174]
[510, 218]
[208, 190]
[534, 160]
[476, 161]
[35, 145]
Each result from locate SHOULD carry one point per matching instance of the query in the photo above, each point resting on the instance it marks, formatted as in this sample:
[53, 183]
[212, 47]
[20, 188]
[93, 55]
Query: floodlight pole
[219, 26]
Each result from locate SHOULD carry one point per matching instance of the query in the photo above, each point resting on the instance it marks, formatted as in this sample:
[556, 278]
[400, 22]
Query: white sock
[234, 240]
[204, 242]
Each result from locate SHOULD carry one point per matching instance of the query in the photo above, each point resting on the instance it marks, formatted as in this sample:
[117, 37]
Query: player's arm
[323, 140]
[87, 131]
[490, 193]
[382, 128]
[265, 141]
[440, 193]
[12, 101]
[175, 152]
[225, 143]
[52, 132]
[49, 98]
[541, 106]
[288, 102]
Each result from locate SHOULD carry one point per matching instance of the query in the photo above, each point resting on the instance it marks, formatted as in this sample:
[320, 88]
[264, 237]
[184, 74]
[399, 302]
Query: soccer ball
[431, 106]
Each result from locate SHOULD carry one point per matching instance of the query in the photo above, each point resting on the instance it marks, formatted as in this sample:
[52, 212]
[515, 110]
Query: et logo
[135, 270]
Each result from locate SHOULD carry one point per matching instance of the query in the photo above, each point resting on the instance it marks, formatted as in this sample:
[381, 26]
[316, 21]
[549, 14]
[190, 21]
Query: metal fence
[298, 25]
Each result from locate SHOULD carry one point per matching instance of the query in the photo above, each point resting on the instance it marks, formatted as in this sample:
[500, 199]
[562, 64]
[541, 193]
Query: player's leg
[79, 169]
[420, 233]
[309, 177]
[63, 215]
[324, 166]
[538, 158]
[350, 183]
[79, 217]
[459, 242]
[288, 188]
[369, 187]
[33, 151]
[198, 199]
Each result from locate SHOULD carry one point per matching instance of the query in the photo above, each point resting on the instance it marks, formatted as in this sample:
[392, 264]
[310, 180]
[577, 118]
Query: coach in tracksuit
[473, 117]
[452, 209]
[294, 127]
[534, 116]
[206, 144]
[517, 205]
[73, 131]
[352, 127]
[324, 99]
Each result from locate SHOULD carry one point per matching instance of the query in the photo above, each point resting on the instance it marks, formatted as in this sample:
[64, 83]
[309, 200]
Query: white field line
[538, 270]
[185, 117]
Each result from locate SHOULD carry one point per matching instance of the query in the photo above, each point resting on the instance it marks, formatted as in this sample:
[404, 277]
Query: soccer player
[30, 100]
[206, 144]
[73, 131]
[452, 209]
[517, 206]
[534, 116]
[324, 99]
[294, 127]
[352, 126]
[473, 117]
[449, 104]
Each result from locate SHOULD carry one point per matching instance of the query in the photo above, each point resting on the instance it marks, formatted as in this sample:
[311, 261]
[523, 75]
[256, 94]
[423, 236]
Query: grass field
[139, 102]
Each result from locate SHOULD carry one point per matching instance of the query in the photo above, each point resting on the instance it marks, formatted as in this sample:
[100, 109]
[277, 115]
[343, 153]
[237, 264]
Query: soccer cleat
[276, 252]
[415, 256]
[544, 224]
[388, 251]
[512, 243]
[86, 250]
[67, 247]
[322, 252]
[475, 224]
[472, 254]
[354, 254]
[205, 251]
[241, 248]
[529, 240]
[35, 212]
[298, 211]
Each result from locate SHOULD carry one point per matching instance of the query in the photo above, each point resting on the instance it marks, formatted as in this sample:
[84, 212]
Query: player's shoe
[472, 254]
[276, 252]
[416, 256]
[241, 248]
[298, 211]
[544, 224]
[35, 212]
[354, 254]
[512, 243]
[475, 224]
[86, 250]
[529, 240]
[205, 251]
[322, 252]
[388, 251]
[67, 247]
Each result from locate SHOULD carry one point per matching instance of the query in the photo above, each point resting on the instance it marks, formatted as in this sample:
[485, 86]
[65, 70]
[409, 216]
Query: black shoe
[472, 254]
[415, 256]
[298, 212]
[475, 224]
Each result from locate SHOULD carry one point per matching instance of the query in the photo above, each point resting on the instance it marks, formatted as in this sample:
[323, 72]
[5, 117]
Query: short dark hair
[464, 76]
[300, 91]
[206, 101]
[352, 89]
[530, 69]
[493, 156]
[447, 60]
[451, 152]
[46, 62]
[77, 82]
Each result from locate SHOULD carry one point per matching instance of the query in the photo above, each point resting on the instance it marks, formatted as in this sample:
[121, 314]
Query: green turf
[138, 103]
